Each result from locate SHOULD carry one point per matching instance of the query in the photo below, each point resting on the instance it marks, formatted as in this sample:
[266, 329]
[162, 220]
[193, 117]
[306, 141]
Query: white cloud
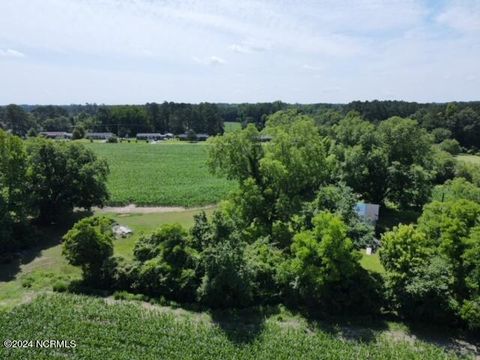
[211, 60]
[461, 16]
[313, 67]
[366, 46]
[11, 53]
[240, 48]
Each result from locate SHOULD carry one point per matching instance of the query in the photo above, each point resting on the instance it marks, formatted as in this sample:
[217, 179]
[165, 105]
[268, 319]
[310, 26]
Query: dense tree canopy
[433, 269]
[15, 200]
[64, 176]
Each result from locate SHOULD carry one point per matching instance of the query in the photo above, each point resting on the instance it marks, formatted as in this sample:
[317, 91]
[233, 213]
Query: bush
[89, 244]
[341, 200]
[265, 261]
[451, 146]
[441, 134]
[324, 272]
[125, 295]
[60, 286]
[470, 313]
[227, 280]
[78, 133]
[112, 140]
[165, 264]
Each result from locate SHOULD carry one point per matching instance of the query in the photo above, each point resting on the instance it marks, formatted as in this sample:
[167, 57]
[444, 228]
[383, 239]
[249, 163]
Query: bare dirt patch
[133, 209]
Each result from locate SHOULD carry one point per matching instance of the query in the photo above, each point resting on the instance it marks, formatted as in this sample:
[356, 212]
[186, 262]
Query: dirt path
[133, 209]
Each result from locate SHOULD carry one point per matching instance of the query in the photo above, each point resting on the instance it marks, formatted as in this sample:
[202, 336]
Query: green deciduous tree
[78, 132]
[89, 244]
[433, 270]
[14, 196]
[64, 176]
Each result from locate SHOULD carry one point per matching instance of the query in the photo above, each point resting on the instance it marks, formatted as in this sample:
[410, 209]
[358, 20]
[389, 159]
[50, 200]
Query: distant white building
[99, 135]
[56, 135]
[151, 136]
[368, 211]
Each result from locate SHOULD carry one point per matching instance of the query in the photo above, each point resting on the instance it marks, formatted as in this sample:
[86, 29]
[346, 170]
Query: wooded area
[456, 120]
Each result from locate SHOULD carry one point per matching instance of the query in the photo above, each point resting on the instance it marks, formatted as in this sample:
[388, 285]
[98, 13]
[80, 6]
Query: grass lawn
[371, 262]
[108, 329]
[170, 173]
[147, 223]
[41, 267]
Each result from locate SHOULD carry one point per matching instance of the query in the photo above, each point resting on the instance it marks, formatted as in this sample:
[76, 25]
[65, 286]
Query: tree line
[122, 120]
[459, 121]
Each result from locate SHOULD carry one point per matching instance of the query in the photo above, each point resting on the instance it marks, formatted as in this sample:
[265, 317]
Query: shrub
[78, 133]
[324, 272]
[165, 264]
[265, 260]
[470, 313]
[89, 244]
[60, 286]
[451, 146]
[112, 140]
[456, 189]
[227, 280]
[341, 200]
[441, 134]
[125, 295]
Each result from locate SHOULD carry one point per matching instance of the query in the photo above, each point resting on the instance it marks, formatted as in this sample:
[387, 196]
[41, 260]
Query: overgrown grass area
[170, 173]
[474, 159]
[128, 330]
[40, 268]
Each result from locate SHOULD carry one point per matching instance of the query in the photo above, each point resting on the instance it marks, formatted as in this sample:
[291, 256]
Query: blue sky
[137, 51]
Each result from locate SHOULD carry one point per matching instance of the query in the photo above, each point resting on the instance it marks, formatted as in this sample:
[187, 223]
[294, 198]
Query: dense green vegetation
[160, 174]
[43, 266]
[456, 120]
[433, 269]
[130, 331]
[286, 231]
[41, 182]
[122, 120]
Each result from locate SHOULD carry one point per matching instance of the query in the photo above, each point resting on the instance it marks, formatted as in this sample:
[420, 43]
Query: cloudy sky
[136, 51]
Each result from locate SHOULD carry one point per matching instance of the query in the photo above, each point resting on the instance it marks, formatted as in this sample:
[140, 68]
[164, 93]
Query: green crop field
[161, 174]
[232, 126]
[131, 330]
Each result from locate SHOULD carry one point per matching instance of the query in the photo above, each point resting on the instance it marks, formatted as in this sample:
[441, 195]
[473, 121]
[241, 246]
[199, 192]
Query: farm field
[132, 330]
[170, 174]
[232, 126]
